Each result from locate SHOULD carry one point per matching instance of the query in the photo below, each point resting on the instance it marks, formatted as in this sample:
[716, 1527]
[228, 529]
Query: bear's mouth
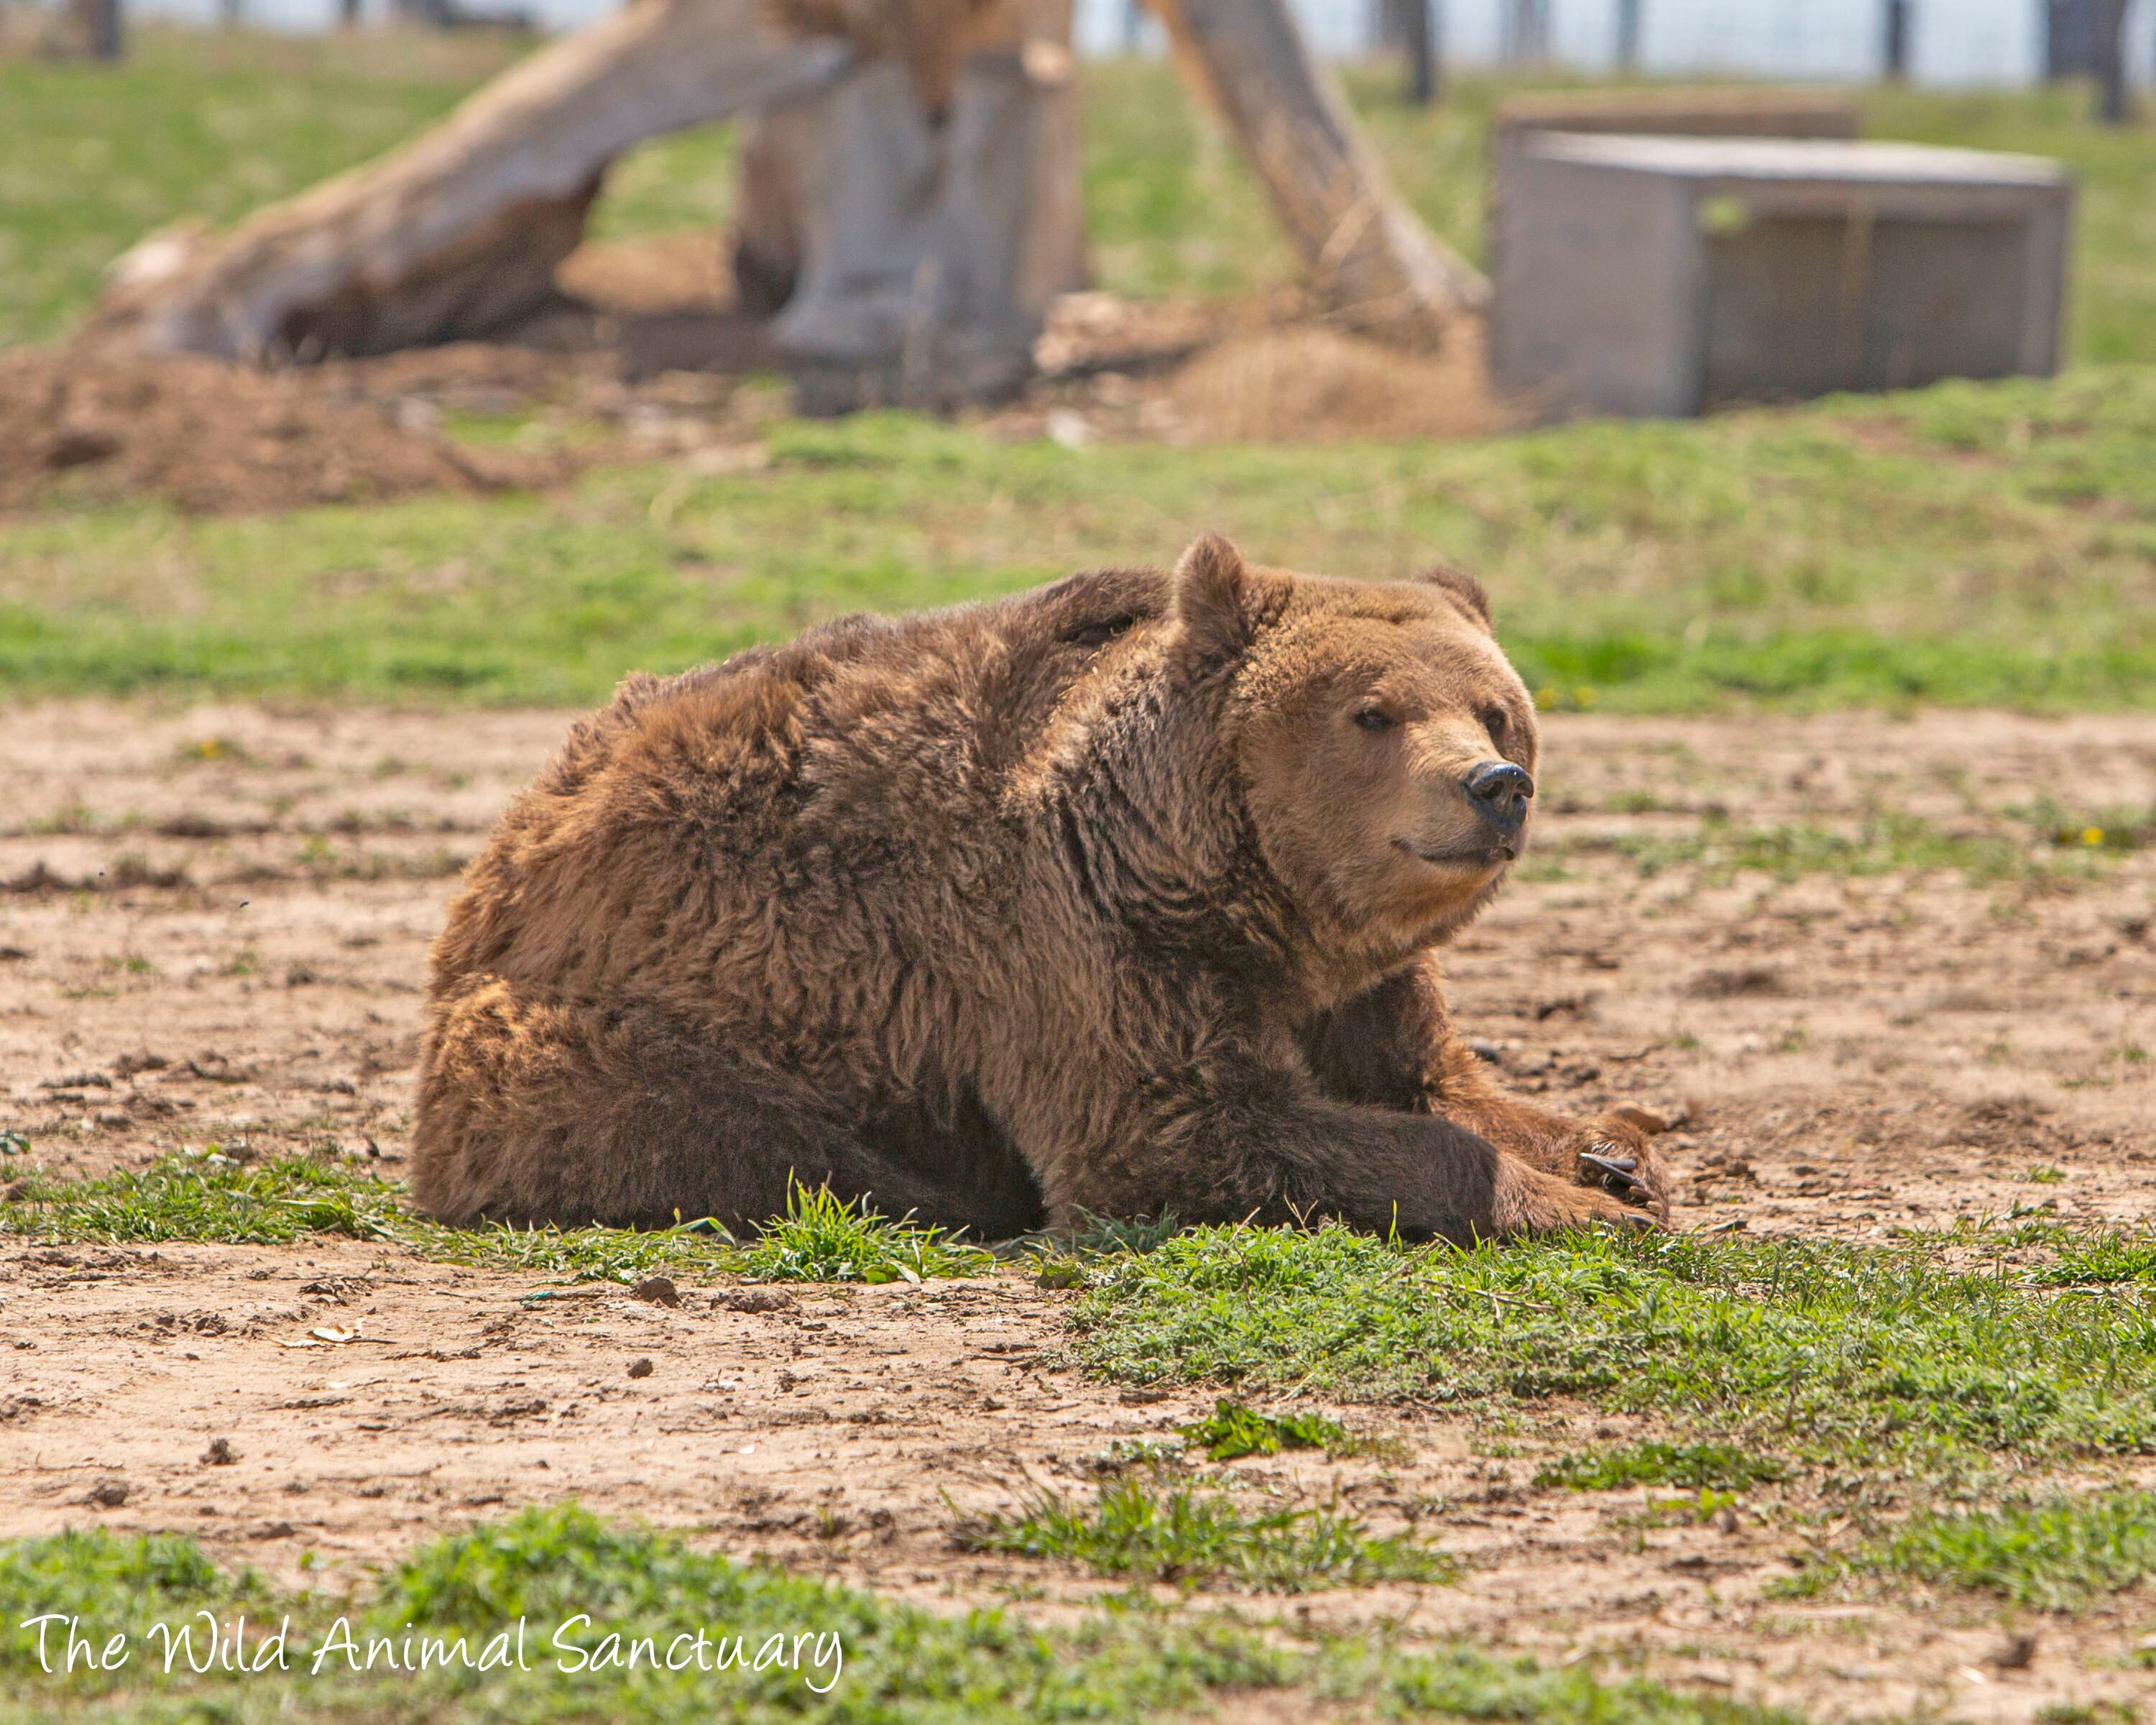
[1502, 850]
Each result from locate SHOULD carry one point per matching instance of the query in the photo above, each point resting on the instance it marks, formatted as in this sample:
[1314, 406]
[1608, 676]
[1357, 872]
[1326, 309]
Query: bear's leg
[1397, 1047]
[533, 1110]
[1237, 1134]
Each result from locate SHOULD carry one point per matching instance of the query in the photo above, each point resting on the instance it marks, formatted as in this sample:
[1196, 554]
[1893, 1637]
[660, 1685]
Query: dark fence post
[1526, 31]
[1898, 40]
[104, 30]
[1627, 35]
[2113, 107]
[1418, 34]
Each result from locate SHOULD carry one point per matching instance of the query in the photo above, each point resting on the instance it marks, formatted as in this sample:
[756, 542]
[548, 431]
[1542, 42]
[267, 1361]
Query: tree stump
[909, 230]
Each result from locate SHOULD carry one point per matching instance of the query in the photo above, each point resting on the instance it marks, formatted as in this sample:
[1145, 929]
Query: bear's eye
[1374, 718]
[1098, 633]
[1495, 721]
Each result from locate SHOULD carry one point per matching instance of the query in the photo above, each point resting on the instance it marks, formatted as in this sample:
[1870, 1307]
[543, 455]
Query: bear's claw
[1619, 1172]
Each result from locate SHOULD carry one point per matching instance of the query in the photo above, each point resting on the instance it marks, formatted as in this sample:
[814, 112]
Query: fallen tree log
[1371, 262]
[457, 234]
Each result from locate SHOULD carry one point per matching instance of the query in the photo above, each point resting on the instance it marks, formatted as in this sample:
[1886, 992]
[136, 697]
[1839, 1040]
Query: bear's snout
[1499, 792]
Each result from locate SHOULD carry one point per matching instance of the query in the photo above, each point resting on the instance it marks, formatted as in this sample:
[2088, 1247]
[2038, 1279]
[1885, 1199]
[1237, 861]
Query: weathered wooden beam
[1371, 261]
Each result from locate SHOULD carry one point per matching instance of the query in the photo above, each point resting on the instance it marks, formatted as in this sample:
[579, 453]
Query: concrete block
[1665, 276]
[1714, 112]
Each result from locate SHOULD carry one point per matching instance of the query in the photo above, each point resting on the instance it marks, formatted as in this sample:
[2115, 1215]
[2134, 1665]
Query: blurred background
[1967, 42]
[622, 477]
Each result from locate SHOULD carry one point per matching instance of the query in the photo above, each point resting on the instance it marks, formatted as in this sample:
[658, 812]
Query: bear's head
[1383, 746]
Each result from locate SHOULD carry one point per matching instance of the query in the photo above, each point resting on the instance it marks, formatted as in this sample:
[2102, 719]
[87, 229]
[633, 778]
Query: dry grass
[1306, 385]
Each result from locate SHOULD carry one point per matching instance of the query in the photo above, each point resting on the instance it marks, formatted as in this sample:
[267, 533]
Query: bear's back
[856, 769]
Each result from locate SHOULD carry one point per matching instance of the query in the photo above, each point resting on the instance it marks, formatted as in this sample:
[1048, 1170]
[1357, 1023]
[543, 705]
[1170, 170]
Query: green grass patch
[561, 1571]
[115, 1581]
[211, 1197]
[1463, 1683]
[1847, 1357]
[2118, 829]
[1885, 842]
[2110, 1262]
[822, 1237]
[1888, 551]
[2054, 1555]
[1234, 1430]
[1655, 1462]
[1149, 1531]
[192, 123]
[1694, 1510]
[206, 1197]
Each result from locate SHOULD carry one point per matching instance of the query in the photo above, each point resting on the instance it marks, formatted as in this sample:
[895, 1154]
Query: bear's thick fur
[1118, 896]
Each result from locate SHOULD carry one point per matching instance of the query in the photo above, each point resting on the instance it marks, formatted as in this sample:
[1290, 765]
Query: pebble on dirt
[639, 1369]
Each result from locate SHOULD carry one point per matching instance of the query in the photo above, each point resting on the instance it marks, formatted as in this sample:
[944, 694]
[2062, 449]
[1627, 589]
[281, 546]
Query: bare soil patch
[213, 928]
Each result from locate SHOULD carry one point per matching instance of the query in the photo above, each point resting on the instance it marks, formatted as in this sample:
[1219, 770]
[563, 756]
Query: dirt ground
[214, 922]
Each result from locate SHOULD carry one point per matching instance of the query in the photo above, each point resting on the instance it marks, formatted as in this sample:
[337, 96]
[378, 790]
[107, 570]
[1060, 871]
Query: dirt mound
[644, 360]
[208, 437]
[1309, 385]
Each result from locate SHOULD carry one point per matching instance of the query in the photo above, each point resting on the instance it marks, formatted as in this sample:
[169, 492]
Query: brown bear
[1120, 897]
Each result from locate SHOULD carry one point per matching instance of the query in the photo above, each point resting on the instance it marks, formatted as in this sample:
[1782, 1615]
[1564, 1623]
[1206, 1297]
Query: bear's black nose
[1501, 791]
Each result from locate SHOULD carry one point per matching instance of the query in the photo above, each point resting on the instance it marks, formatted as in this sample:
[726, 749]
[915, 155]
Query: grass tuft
[210, 1197]
[1885, 842]
[1456, 1683]
[822, 1237]
[1148, 1531]
[2054, 1555]
[206, 1197]
[1657, 1463]
[1234, 1429]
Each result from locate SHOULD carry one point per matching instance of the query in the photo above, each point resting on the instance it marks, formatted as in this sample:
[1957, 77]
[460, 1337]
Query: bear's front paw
[1528, 1201]
[1615, 1155]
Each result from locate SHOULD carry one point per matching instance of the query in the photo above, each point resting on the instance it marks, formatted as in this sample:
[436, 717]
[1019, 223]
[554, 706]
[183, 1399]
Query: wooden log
[457, 234]
[1374, 265]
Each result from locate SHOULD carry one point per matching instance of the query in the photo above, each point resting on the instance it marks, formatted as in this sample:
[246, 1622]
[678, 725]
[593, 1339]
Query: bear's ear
[1219, 603]
[1464, 590]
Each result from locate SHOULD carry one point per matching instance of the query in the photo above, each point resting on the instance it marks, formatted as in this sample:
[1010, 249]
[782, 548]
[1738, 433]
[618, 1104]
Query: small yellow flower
[1545, 698]
[2091, 835]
